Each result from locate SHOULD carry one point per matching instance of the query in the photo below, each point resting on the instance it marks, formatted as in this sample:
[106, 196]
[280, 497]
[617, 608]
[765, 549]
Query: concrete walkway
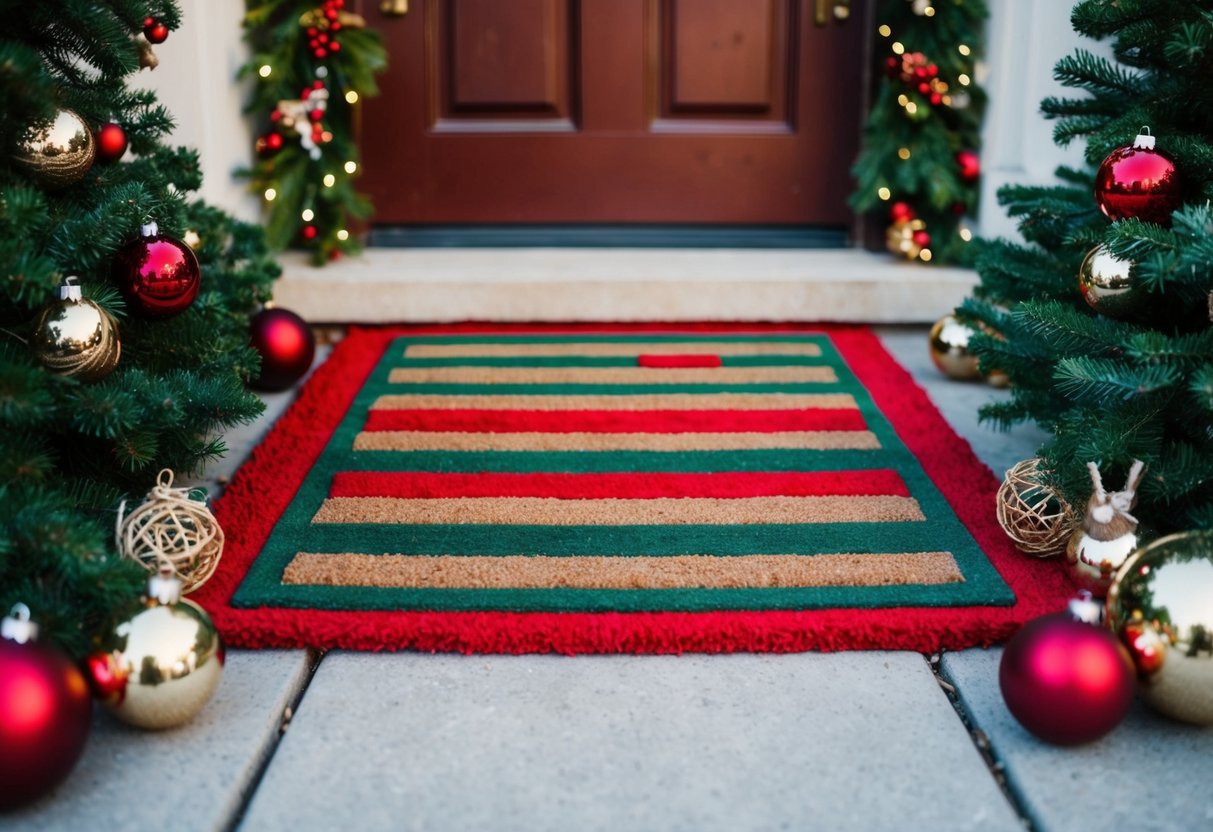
[863, 741]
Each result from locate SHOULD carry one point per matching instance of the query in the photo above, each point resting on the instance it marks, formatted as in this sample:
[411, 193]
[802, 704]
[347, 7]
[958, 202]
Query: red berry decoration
[111, 143]
[156, 273]
[921, 239]
[45, 713]
[969, 164]
[901, 212]
[286, 346]
[1138, 181]
[1066, 681]
[154, 30]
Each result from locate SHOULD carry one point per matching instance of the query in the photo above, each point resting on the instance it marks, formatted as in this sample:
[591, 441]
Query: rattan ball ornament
[1033, 515]
[171, 526]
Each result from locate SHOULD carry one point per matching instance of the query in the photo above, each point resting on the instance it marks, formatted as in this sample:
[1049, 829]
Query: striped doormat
[631, 489]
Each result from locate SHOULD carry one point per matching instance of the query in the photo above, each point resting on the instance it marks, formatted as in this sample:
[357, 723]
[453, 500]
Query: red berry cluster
[317, 105]
[322, 38]
[919, 74]
[154, 30]
[901, 213]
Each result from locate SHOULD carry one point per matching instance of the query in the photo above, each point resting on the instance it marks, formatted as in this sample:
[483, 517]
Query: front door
[614, 111]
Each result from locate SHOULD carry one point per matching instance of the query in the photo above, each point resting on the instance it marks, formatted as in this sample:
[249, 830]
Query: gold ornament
[170, 527]
[1110, 285]
[1033, 515]
[1161, 606]
[58, 154]
[949, 344]
[899, 238]
[1108, 534]
[74, 336]
[167, 659]
[147, 57]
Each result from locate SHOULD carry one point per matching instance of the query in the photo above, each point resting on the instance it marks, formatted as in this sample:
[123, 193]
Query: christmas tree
[161, 367]
[1102, 319]
[919, 168]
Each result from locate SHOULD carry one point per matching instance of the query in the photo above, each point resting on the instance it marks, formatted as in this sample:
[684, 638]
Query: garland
[920, 164]
[312, 65]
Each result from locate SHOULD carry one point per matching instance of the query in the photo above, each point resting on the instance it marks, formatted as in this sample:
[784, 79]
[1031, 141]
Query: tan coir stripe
[508, 350]
[662, 511]
[674, 572]
[420, 440]
[613, 375]
[645, 401]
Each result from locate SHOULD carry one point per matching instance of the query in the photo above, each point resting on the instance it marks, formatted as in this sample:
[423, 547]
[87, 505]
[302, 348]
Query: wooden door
[614, 111]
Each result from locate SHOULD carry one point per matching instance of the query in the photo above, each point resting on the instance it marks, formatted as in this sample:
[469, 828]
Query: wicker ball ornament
[170, 526]
[1034, 516]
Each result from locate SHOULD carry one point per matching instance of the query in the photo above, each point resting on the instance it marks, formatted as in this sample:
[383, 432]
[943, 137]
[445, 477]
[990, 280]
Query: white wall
[198, 64]
[1025, 39]
[196, 81]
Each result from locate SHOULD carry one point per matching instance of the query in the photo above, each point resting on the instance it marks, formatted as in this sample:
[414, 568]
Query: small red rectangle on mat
[669, 361]
[647, 485]
[615, 421]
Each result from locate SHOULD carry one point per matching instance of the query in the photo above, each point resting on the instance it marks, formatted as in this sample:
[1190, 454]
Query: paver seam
[982, 742]
[262, 763]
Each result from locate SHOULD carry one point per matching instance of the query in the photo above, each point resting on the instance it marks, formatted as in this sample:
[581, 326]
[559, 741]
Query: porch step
[619, 284]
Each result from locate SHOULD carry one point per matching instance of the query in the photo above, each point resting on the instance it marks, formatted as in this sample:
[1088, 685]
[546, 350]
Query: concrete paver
[1150, 774]
[195, 777]
[740, 742]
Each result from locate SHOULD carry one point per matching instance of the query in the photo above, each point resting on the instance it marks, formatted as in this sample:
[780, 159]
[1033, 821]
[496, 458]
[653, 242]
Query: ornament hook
[18, 627]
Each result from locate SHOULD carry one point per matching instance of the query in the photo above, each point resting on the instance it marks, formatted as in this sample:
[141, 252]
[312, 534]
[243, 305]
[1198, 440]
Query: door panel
[609, 111]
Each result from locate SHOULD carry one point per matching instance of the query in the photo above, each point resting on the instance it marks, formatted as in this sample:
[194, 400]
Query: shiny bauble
[157, 274]
[949, 346]
[969, 164]
[1092, 563]
[57, 154]
[1110, 285]
[286, 345]
[154, 30]
[111, 143]
[1066, 681]
[73, 336]
[167, 660]
[900, 212]
[1161, 606]
[1138, 181]
[45, 713]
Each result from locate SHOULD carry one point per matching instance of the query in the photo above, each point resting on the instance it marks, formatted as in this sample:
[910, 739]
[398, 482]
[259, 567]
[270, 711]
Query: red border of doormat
[265, 485]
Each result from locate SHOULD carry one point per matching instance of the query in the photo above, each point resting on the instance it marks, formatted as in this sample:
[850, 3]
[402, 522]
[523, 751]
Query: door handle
[394, 8]
[840, 11]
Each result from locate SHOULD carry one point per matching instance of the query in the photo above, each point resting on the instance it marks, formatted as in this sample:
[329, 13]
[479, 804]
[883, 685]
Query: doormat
[617, 489]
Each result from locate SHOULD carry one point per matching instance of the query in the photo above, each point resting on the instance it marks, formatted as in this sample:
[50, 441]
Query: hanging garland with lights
[919, 168]
[311, 65]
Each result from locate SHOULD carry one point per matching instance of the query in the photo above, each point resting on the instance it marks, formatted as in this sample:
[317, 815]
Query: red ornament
[309, 232]
[106, 676]
[269, 144]
[156, 273]
[286, 346]
[969, 164]
[1066, 681]
[154, 30]
[921, 239]
[1138, 181]
[901, 212]
[111, 142]
[45, 713]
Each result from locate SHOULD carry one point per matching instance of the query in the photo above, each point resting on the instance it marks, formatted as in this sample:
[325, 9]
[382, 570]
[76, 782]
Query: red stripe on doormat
[881, 481]
[668, 361]
[615, 421]
[264, 486]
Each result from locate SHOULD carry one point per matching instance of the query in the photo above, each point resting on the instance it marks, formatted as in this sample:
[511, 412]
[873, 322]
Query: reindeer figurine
[1108, 534]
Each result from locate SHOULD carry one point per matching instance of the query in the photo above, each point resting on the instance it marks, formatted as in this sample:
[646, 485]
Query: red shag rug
[601, 489]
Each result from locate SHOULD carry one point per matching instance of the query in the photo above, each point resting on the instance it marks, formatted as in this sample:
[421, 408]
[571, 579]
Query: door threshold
[397, 285]
[606, 236]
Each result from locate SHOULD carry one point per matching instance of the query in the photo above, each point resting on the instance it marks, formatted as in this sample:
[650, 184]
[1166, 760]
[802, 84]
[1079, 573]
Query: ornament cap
[165, 587]
[149, 230]
[1083, 607]
[70, 289]
[17, 626]
[1144, 140]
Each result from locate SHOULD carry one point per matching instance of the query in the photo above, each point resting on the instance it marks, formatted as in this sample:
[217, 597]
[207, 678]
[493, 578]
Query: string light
[308, 215]
[884, 193]
[884, 30]
[351, 97]
[929, 11]
[265, 70]
[270, 194]
[897, 47]
[925, 255]
[966, 234]
[903, 153]
[903, 99]
[964, 50]
[911, 108]
[963, 79]
[343, 235]
[329, 180]
[351, 166]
